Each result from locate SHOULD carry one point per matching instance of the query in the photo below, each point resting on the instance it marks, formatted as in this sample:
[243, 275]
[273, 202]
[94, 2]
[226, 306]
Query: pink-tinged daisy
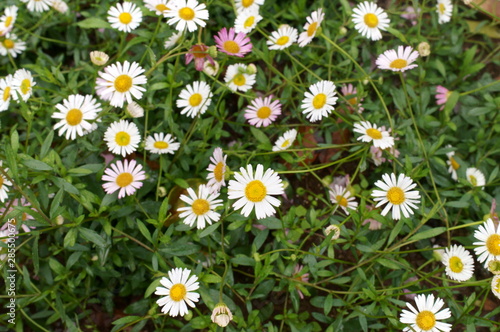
[341, 196]
[354, 103]
[411, 14]
[311, 27]
[397, 195]
[8, 19]
[125, 17]
[74, 114]
[370, 133]
[201, 207]
[217, 170]
[199, 53]
[187, 14]
[262, 112]
[427, 316]
[442, 95]
[123, 176]
[233, 44]
[369, 19]
[397, 61]
[319, 102]
[489, 242]
[300, 276]
[178, 291]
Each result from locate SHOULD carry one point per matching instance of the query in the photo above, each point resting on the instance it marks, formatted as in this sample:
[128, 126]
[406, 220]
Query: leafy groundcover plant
[249, 165]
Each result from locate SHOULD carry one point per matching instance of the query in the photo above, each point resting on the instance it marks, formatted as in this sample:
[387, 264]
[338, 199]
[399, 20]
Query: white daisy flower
[495, 285]
[37, 5]
[8, 19]
[177, 291]
[427, 315]
[458, 262]
[125, 17]
[371, 133]
[453, 164]
[489, 242]
[242, 5]
[217, 170]
[247, 20]
[397, 195]
[123, 176]
[195, 99]
[60, 6]
[11, 45]
[172, 40]
[369, 19]
[444, 9]
[238, 79]
[135, 110]
[22, 84]
[122, 137]
[475, 177]
[397, 61]
[341, 196]
[161, 143]
[6, 92]
[3, 185]
[187, 14]
[285, 141]
[160, 7]
[255, 190]
[74, 113]
[319, 102]
[201, 207]
[282, 38]
[311, 27]
[99, 58]
[119, 82]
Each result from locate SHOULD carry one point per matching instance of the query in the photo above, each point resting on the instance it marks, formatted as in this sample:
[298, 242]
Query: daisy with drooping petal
[160, 7]
[233, 44]
[198, 53]
[397, 61]
[37, 5]
[122, 137]
[6, 91]
[495, 285]
[427, 315]
[341, 196]
[195, 99]
[370, 133]
[247, 20]
[99, 58]
[161, 143]
[201, 207]
[11, 45]
[282, 38]
[489, 242]
[74, 113]
[442, 95]
[125, 17]
[242, 5]
[217, 170]
[319, 102]
[354, 103]
[397, 195]
[22, 84]
[8, 19]
[3, 184]
[311, 27]
[255, 190]
[475, 177]
[178, 291]
[285, 141]
[221, 315]
[123, 176]
[238, 79]
[187, 14]
[459, 263]
[453, 164]
[262, 112]
[444, 9]
[369, 19]
[119, 82]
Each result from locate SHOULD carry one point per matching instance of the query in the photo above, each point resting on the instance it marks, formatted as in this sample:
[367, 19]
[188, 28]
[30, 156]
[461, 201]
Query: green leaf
[458, 204]
[181, 183]
[34, 255]
[46, 144]
[144, 230]
[396, 33]
[56, 202]
[85, 169]
[126, 320]
[68, 187]
[271, 223]
[93, 23]
[37, 165]
[14, 140]
[243, 260]
[211, 279]
[57, 267]
[209, 230]
[175, 249]
[428, 234]
[389, 264]
[260, 136]
[395, 231]
[92, 236]
[451, 102]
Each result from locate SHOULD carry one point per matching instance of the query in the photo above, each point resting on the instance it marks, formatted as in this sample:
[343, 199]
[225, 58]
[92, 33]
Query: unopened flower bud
[99, 58]
[59, 220]
[251, 69]
[494, 266]
[162, 192]
[342, 31]
[212, 51]
[221, 315]
[424, 49]
[366, 81]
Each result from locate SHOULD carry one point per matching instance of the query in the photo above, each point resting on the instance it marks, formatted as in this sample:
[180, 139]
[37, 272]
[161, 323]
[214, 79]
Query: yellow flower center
[161, 7]
[353, 101]
[282, 40]
[311, 30]
[239, 80]
[341, 200]
[8, 21]
[493, 244]
[161, 145]
[374, 133]
[456, 264]
[195, 99]
[25, 86]
[395, 195]
[74, 117]
[122, 138]
[198, 51]
[178, 292]
[124, 179]
[255, 191]
[246, 3]
[219, 171]
[442, 8]
[319, 100]
[371, 20]
[123, 83]
[497, 286]
[6, 93]
[286, 143]
[398, 63]
[186, 13]
[1, 181]
[426, 320]
[200, 206]
[263, 112]
[125, 18]
[249, 22]
[231, 46]
[8, 43]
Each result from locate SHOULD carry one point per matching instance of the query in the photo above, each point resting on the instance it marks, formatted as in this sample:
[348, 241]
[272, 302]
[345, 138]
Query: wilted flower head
[335, 229]
[199, 53]
[424, 49]
[99, 58]
[210, 68]
[135, 110]
[221, 315]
